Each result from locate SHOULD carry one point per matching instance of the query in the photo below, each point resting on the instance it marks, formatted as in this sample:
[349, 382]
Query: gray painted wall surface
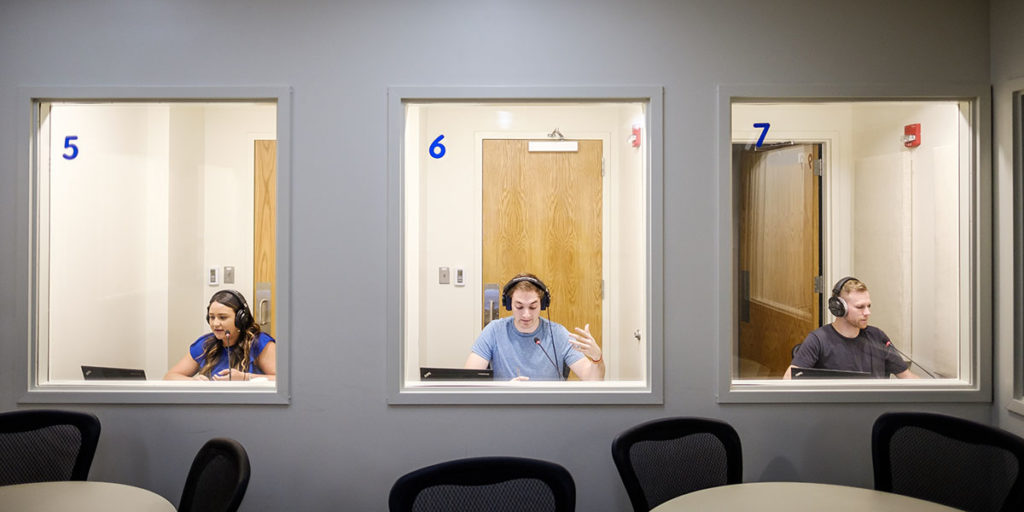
[338, 445]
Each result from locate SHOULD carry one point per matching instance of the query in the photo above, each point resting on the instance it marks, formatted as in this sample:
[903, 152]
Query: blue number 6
[437, 149]
[72, 147]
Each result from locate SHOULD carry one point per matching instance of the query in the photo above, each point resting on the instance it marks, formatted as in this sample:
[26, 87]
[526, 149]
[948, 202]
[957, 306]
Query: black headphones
[506, 295]
[836, 304]
[243, 317]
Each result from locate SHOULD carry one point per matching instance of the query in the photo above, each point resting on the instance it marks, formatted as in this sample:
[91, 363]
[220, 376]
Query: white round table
[797, 497]
[80, 496]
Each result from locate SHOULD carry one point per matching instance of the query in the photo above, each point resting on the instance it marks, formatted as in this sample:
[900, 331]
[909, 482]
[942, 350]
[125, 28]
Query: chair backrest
[492, 484]
[948, 460]
[217, 479]
[669, 457]
[46, 445]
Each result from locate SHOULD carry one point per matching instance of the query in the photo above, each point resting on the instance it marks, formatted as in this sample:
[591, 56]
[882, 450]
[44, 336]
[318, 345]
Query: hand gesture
[584, 342]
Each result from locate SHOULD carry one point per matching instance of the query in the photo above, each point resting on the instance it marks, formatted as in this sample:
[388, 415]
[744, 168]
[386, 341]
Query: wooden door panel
[265, 228]
[779, 251]
[542, 213]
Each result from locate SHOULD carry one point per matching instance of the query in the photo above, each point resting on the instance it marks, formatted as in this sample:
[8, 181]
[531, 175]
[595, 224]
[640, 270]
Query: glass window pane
[495, 189]
[877, 190]
[145, 209]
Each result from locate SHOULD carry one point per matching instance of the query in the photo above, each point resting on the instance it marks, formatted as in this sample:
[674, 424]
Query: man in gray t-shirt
[848, 343]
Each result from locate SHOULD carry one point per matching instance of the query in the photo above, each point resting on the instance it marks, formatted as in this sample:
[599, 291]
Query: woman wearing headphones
[234, 350]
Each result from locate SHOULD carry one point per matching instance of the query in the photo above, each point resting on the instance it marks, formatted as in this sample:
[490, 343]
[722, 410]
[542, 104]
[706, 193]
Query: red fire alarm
[635, 138]
[912, 135]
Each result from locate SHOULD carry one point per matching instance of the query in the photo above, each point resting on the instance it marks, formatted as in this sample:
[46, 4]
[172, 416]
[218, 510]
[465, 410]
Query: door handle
[264, 310]
[490, 303]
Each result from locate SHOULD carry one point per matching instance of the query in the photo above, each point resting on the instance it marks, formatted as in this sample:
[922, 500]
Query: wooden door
[542, 214]
[779, 256]
[264, 307]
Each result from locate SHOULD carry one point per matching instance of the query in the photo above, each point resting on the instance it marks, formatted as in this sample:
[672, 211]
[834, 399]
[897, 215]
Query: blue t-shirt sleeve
[196, 348]
[484, 344]
[261, 343]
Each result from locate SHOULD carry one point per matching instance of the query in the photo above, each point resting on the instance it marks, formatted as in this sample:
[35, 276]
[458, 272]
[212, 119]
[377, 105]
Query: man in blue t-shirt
[848, 343]
[526, 346]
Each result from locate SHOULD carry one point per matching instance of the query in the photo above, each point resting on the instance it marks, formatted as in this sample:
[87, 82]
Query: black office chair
[217, 479]
[796, 348]
[491, 484]
[46, 445]
[669, 457]
[948, 460]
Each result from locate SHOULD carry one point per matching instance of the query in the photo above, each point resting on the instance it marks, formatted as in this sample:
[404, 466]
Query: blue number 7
[764, 132]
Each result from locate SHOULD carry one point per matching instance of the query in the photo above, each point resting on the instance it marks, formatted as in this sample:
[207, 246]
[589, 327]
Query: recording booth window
[553, 182]
[145, 207]
[871, 188]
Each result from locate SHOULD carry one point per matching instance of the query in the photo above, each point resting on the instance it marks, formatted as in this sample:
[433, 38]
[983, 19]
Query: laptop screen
[107, 373]
[430, 373]
[824, 373]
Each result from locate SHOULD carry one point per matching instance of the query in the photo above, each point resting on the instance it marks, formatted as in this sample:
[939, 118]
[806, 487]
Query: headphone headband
[506, 297]
[243, 316]
[838, 288]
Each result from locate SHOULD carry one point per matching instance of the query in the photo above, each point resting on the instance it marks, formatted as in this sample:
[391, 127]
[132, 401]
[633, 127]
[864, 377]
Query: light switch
[460, 276]
[229, 275]
[444, 275]
[213, 276]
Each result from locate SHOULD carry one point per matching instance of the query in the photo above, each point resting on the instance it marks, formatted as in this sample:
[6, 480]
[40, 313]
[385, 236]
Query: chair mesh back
[40, 455]
[518, 495]
[216, 484]
[672, 467]
[933, 467]
[218, 478]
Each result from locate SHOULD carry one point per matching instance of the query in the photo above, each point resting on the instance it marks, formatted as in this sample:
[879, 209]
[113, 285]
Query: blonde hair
[853, 285]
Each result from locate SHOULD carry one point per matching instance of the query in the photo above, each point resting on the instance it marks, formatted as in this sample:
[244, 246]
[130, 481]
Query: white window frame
[651, 391]
[151, 391]
[978, 388]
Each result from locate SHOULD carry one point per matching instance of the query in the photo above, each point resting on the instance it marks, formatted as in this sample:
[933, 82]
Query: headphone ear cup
[837, 306]
[243, 319]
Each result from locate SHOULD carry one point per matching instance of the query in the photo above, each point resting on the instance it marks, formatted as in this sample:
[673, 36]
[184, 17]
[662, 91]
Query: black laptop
[825, 373]
[430, 373]
[106, 373]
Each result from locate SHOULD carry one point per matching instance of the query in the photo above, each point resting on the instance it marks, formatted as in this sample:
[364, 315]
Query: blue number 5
[68, 145]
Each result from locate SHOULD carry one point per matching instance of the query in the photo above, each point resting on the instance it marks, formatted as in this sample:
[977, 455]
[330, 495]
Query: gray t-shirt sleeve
[809, 352]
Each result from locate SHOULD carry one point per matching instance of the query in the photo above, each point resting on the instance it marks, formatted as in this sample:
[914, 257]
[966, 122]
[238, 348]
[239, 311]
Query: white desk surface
[80, 497]
[797, 497]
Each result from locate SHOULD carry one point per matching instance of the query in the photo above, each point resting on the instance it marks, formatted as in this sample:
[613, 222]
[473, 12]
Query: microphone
[888, 344]
[537, 341]
[227, 333]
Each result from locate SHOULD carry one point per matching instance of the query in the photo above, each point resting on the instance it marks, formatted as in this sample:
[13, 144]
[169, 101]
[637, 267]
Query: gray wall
[338, 445]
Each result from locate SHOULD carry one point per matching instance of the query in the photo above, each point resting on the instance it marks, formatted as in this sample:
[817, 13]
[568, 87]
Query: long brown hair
[213, 349]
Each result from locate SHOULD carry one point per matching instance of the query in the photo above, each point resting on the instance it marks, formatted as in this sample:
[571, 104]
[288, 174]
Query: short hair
[853, 285]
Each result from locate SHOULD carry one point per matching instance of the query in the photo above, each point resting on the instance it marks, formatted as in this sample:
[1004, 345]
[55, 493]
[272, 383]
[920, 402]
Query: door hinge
[602, 167]
[819, 284]
[819, 167]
